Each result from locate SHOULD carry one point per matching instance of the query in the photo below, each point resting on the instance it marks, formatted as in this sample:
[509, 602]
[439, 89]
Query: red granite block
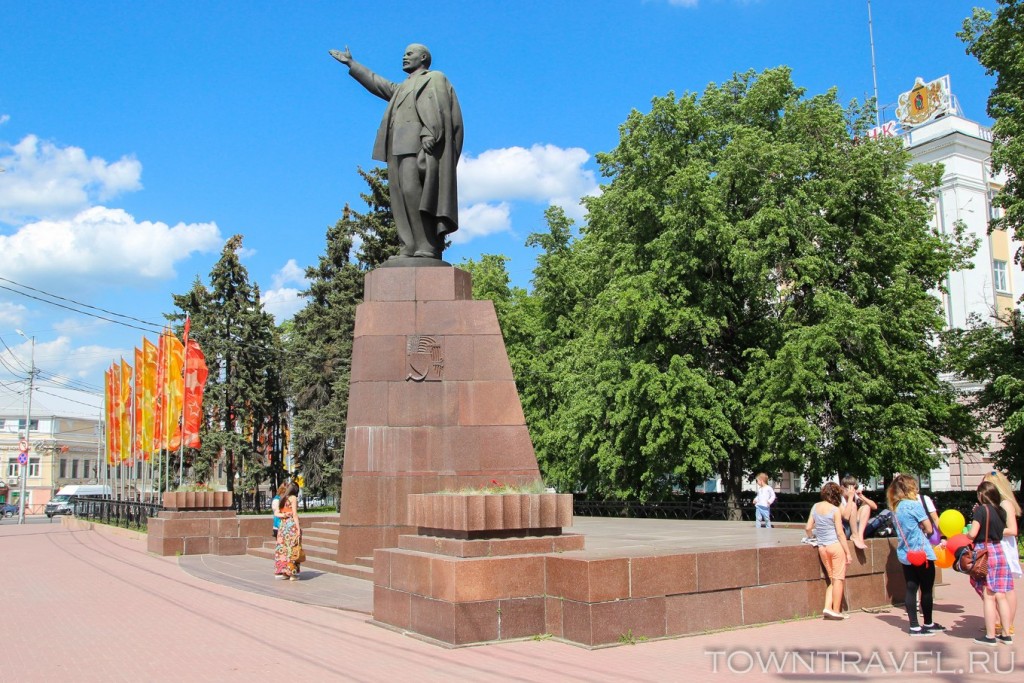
[787, 563]
[641, 618]
[463, 285]
[392, 607]
[197, 545]
[251, 526]
[720, 569]
[883, 552]
[390, 284]
[490, 358]
[381, 358]
[563, 510]
[459, 358]
[165, 546]
[220, 528]
[662, 575]
[359, 541]
[416, 404]
[476, 622]
[866, 591]
[457, 317]
[701, 612]
[553, 616]
[361, 499]
[577, 623]
[228, 545]
[382, 567]
[493, 512]
[588, 580]
[521, 618]
[489, 403]
[375, 318]
[548, 512]
[775, 602]
[489, 448]
[426, 448]
[433, 618]
[488, 578]
[410, 572]
[367, 404]
[187, 527]
[435, 284]
[862, 562]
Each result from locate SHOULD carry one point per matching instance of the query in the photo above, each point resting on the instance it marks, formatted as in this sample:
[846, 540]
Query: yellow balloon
[943, 558]
[951, 523]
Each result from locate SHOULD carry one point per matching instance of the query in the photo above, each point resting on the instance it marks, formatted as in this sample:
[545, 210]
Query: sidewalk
[94, 606]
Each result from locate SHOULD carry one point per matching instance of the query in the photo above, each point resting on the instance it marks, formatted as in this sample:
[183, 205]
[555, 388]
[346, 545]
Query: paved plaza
[93, 605]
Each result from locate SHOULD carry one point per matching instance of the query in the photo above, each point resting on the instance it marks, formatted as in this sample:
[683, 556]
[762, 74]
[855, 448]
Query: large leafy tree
[998, 43]
[993, 356]
[244, 405]
[320, 337]
[751, 291]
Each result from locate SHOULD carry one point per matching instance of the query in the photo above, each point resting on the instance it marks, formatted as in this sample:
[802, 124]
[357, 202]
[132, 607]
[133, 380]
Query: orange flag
[175, 393]
[125, 411]
[195, 381]
[140, 364]
[113, 429]
[149, 367]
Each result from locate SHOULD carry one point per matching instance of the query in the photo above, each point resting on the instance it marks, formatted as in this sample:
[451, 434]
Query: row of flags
[158, 404]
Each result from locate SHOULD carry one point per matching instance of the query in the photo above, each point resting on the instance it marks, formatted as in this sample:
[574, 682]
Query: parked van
[63, 502]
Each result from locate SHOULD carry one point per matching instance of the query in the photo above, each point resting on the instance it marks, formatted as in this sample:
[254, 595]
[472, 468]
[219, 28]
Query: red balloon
[957, 542]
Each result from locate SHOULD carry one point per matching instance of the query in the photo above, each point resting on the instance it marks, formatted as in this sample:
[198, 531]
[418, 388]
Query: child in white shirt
[763, 500]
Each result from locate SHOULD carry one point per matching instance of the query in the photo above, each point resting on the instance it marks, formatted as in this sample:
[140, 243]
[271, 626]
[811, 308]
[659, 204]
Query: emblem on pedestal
[425, 359]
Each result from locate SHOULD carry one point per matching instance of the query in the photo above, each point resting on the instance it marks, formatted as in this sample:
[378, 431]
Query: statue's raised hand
[343, 57]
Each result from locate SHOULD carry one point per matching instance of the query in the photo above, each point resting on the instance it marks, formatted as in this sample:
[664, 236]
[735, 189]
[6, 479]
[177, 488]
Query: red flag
[188, 325]
[195, 381]
[137, 393]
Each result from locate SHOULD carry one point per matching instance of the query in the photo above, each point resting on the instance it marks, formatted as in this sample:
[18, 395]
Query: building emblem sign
[425, 359]
[924, 102]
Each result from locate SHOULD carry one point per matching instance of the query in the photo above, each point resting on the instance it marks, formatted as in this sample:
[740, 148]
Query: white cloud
[481, 219]
[103, 244]
[542, 173]
[43, 180]
[684, 3]
[282, 303]
[11, 314]
[290, 273]
[4, 118]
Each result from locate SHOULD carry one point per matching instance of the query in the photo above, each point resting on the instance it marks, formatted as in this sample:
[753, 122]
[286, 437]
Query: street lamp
[28, 426]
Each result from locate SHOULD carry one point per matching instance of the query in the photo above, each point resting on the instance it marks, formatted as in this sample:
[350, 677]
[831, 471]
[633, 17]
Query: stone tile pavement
[83, 605]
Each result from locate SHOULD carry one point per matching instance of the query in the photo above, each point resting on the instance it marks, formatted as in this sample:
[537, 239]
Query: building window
[12, 469]
[994, 211]
[74, 469]
[33, 425]
[33, 467]
[999, 276]
[63, 468]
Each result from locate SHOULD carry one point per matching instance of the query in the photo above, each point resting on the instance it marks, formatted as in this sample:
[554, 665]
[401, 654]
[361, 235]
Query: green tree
[751, 291]
[321, 335]
[244, 403]
[998, 43]
[993, 356]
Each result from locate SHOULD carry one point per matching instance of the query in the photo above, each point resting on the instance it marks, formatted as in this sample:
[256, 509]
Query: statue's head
[416, 57]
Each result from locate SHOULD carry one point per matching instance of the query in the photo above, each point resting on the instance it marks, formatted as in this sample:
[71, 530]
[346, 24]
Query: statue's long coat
[439, 111]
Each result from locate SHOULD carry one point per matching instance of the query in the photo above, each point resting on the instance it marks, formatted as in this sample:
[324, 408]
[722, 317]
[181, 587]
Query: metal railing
[130, 514]
[685, 509]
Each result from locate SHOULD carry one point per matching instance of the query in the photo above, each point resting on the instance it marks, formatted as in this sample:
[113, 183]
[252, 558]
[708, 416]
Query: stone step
[325, 535]
[317, 550]
[320, 564]
[364, 562]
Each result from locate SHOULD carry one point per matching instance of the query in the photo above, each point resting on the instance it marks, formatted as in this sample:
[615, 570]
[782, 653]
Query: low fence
[129, 514]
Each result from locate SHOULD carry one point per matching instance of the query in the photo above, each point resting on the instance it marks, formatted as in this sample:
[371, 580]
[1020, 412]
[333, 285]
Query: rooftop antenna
[874, 71]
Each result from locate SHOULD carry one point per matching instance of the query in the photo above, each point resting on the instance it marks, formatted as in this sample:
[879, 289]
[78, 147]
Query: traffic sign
[22, 458]
[23, 446]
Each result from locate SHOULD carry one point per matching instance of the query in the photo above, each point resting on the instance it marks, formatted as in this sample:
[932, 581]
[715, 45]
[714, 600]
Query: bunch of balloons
[951, 525]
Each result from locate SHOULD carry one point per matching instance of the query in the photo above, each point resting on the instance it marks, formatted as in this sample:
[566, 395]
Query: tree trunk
[733, 481]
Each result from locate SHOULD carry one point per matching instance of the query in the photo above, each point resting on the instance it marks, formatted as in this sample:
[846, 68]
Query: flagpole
[181, 416]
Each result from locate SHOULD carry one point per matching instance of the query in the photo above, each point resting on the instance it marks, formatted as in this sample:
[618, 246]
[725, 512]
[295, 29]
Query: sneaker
[934, 627]
[809, 541]
[920, 632]
[1005, 640]
[985, 640]
[831, 614]
[280, 576]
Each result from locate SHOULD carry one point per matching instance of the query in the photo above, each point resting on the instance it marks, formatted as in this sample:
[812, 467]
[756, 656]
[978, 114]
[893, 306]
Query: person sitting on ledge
[856, 510]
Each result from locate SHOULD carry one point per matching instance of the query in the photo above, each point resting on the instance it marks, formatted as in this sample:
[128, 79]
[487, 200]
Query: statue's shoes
[427, 254]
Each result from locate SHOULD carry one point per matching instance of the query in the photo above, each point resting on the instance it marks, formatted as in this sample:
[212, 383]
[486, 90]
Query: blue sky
[136, 137]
